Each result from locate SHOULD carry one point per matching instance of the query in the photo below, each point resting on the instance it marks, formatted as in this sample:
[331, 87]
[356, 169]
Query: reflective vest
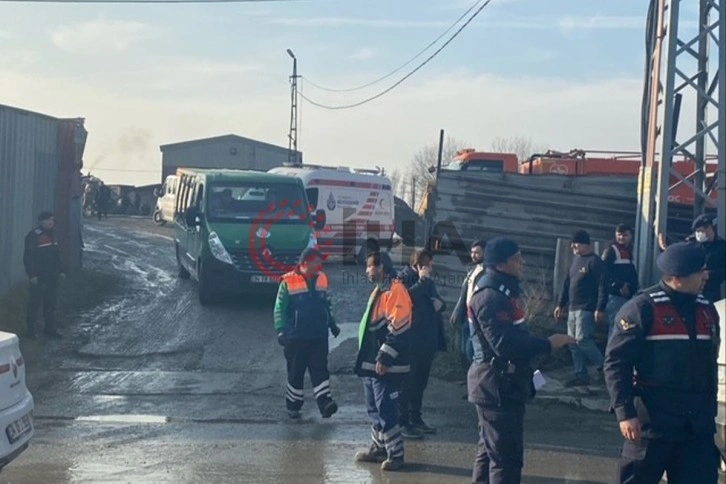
[308, 308]
[674, 358]
[622, 255]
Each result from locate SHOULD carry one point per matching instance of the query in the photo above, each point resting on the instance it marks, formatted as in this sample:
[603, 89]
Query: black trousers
[500, 453]
[694, 461]
[307, 356]
[43, 294]
[414, 384]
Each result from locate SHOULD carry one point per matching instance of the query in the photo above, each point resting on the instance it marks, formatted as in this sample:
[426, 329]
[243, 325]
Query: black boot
[373, 454]
[328, 409]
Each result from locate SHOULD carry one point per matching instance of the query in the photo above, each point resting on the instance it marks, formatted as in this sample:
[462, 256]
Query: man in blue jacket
[382, 363]
[303, 316]
[661, 371]
[500, 377]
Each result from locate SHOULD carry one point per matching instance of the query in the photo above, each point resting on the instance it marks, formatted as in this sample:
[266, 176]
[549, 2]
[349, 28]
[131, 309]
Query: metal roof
[39, 115]
[213, 173]
[219, 139]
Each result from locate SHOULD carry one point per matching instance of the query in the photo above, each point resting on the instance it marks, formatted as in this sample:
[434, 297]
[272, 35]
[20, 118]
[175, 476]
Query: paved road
[151, 387]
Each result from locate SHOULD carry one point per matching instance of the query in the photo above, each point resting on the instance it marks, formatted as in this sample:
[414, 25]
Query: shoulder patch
[625, 325]
[38, 231]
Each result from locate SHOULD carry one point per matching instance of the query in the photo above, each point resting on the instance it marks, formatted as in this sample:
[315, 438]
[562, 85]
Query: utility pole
[413, 192]
[681, 65]
[292, 156]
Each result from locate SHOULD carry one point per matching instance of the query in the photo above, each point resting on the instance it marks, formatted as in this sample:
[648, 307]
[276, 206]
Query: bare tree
[423, 164]
[522, 146]
[397, 182]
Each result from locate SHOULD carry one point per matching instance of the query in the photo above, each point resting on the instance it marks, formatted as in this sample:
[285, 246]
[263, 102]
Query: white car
[16, 402]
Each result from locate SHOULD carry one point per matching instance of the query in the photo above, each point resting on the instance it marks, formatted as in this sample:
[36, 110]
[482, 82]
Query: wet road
[151, 387]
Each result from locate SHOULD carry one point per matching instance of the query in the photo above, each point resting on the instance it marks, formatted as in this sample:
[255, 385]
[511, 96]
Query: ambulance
[358, 204]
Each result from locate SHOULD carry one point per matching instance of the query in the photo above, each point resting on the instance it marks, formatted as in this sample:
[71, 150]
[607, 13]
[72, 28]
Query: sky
[564, 73]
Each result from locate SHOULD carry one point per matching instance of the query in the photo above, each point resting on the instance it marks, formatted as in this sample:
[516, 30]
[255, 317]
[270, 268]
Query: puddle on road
[124, 419]
[347, 331]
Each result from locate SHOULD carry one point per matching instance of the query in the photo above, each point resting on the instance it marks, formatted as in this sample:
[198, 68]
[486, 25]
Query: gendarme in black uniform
[661, 369]
[500, 376]
[43, 267]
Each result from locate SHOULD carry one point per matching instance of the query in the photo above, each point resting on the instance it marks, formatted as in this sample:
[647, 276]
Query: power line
[404, 78]
[434, 42]
[147, 1]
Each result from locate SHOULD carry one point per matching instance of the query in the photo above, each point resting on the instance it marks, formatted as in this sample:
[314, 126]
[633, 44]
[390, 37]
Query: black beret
[499, 250]
[581, 237]
[701, 221]
[681, 259]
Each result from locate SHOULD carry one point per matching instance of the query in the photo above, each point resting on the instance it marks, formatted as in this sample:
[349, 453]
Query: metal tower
[292, 156]
[686, 66]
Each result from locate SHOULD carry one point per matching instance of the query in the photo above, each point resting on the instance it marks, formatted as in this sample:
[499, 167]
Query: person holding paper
[500, 377]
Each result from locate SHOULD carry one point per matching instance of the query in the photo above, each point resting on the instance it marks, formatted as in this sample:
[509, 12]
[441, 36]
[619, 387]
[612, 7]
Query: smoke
[134, 144]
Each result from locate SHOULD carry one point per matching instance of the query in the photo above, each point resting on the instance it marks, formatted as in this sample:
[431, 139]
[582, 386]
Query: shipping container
[40, 162]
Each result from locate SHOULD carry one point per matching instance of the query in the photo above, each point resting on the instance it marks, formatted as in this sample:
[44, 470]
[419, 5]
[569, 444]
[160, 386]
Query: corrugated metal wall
[534, 211]
[30, 157]
[224, 153]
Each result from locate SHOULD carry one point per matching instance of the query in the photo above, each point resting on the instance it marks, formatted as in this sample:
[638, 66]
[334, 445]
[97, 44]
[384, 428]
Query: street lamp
[292, 158]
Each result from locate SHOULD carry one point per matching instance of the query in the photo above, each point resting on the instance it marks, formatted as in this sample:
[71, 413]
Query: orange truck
[577, 163]
[480, 161]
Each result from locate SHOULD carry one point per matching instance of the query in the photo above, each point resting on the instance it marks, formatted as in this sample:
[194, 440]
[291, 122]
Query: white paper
[539, 380]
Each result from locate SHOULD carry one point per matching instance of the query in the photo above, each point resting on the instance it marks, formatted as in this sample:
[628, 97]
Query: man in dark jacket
[303, 316]
[458, 315]
[427, 337]
[620, 272]
[714, 248]
[661, 372]
[103, 200]
[382, 363]
[44, 268]
[500, 377]
[585, 296]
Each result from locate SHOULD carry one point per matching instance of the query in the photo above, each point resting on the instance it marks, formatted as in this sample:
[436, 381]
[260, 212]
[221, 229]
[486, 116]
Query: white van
[165, 201]
[16, 402]
[358, 204]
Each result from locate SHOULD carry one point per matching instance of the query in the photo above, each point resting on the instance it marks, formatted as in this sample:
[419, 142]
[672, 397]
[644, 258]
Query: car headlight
[312, 242]
[218, 250]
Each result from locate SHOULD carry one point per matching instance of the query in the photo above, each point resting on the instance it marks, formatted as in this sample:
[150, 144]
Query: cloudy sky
[566, 73]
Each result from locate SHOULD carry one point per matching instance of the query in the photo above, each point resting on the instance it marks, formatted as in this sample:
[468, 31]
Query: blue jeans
[382, 401]
[467, 348]
[581, 326]
[614, 305]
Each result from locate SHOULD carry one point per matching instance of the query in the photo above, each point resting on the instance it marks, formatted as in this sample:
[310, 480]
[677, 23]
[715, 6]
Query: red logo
[263, 258]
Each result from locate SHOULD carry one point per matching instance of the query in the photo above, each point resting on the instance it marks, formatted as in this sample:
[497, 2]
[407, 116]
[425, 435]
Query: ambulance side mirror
[320, 219]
